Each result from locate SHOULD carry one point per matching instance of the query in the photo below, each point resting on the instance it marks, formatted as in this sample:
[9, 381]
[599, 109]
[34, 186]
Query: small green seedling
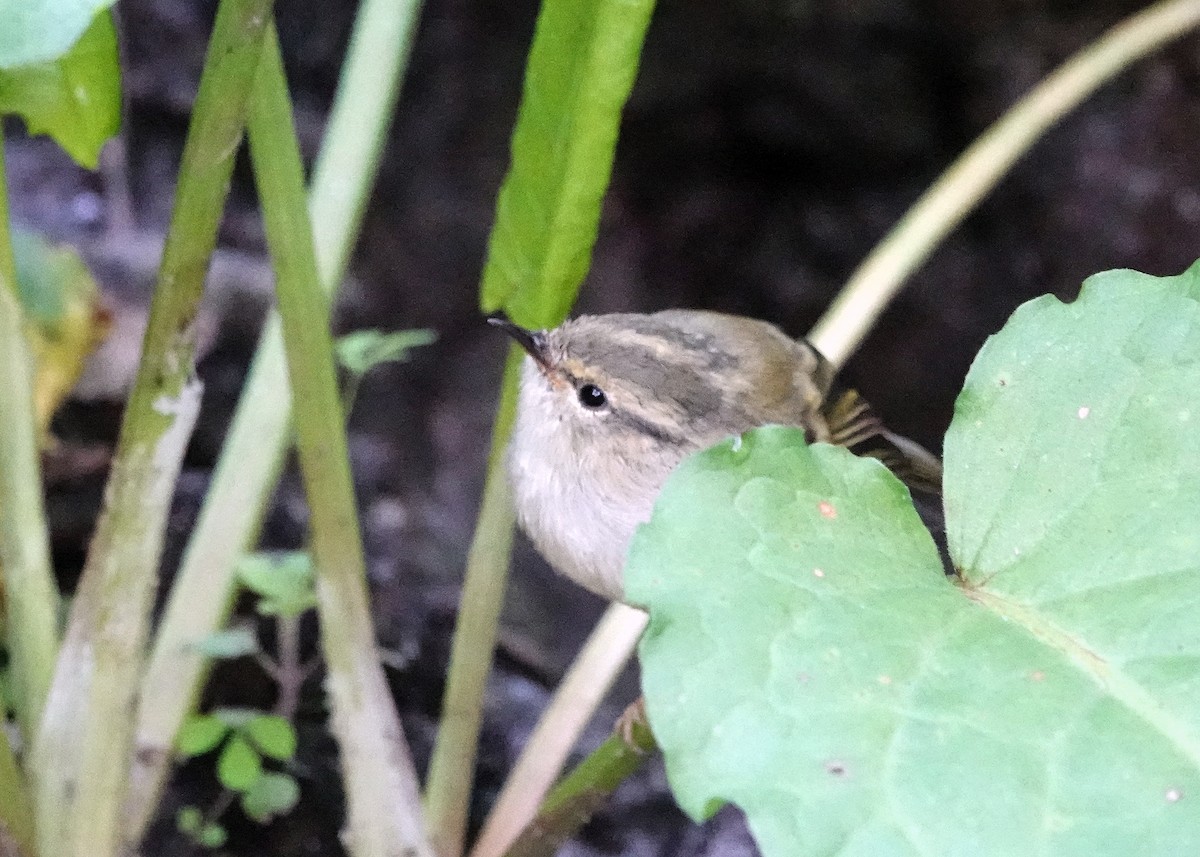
[247, 739]
[283, 582]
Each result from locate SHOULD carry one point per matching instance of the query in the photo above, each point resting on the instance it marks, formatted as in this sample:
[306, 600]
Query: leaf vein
[1113, 680]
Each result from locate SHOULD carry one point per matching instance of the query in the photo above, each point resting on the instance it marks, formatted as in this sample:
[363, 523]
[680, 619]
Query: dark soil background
[767, 146]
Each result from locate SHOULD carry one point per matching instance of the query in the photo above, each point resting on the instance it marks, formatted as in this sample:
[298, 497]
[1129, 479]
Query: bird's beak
[533, 341]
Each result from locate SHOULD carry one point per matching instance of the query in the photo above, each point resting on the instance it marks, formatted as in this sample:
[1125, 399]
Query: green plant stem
[377, 58]
[573, 801]
[980, 167]
[81, 754]
[290, 672]
[382, 796]
[452, 768]
[202, 596]
[254, 451]
[30, 592]
[558, 729]
[24, 543]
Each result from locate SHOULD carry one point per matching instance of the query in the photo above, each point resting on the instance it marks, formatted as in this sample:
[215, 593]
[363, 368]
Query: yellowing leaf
[66, 319]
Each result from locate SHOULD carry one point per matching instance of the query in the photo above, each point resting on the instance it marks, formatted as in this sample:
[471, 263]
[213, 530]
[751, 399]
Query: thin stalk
[24, 544]
[254, 451]
[960, 188]
[575, 701]
[30, 592]
[382, 796]
[289, 673]
[376, 60]
[81, 755]
[452, 767]
[587, 788]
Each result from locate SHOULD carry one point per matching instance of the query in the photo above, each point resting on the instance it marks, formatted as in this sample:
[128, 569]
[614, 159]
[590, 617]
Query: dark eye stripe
[651, 430]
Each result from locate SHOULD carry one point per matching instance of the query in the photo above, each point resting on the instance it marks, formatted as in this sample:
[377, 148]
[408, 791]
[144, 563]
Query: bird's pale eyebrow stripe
[664, 342]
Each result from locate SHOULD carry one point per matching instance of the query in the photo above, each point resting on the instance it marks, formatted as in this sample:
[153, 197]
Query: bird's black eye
[591, 396]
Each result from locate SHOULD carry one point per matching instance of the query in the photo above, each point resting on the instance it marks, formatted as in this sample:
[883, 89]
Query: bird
[610, 404]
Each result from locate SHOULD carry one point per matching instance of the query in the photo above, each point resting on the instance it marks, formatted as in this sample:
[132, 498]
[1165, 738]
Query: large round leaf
[808, 660]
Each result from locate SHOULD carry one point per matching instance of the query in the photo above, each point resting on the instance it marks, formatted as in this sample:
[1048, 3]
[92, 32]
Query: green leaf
[789, 587]
[580, 70]
[273, 735]
[1074, 444]
[76, 97]
[271, 795]
[188, 820]
[37, 31]
[362, 350]
[239, 764]
[808, 660]
[212, 835]
[228, 644]
[199, 734]
[283, 582]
